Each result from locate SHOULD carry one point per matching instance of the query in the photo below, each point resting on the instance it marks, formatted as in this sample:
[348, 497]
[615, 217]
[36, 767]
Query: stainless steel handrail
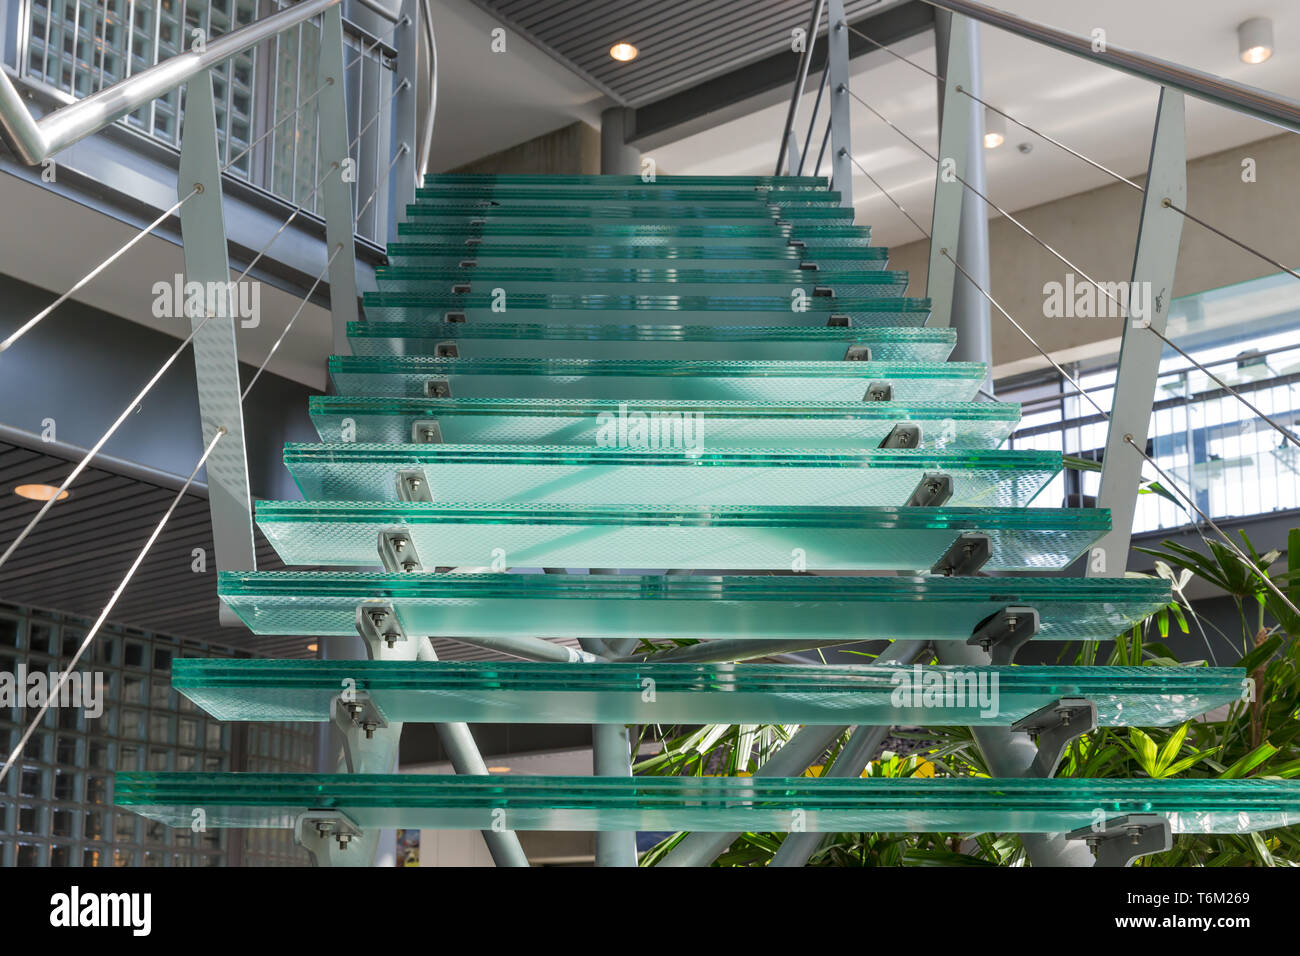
[33, 140]
[1261, 104]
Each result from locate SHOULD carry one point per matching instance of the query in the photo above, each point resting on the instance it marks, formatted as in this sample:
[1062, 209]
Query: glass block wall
[56, 806]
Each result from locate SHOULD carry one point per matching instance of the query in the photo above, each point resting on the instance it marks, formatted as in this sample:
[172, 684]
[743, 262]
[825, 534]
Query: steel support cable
[90, 276]
[401, 151]
[57, 689]
[1129, 440]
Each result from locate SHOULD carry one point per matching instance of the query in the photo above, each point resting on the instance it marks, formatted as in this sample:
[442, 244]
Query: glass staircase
[717, 377]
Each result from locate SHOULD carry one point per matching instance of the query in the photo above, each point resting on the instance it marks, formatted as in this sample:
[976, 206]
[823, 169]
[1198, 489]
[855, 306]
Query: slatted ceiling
[82, 549]
[681, 42]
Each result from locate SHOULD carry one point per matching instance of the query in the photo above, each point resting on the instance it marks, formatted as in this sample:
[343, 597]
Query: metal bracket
[358, 720]
[933, 490]
[397, 552]
[965, 556]
[858, 353]
[1053, 727]
[437, 388]
[902, 435]
[839, 320]
[332, 839]
[879, 392]
[377, 623]
[1002, 634]
[823, 292]
[809, 267]
[446, 350]
[1121, 840]
[453, 317]
[426, 431]
[412, 485]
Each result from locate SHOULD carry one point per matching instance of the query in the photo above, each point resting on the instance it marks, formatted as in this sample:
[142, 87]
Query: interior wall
[572, 149]
[1097, 230]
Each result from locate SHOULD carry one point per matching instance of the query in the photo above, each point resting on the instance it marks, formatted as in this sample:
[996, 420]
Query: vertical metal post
[837, 40]
[336, 190]
[790, 141]
[216, 362]
[1152, 284]
[953, 63]
[611, 756]
[404, 178]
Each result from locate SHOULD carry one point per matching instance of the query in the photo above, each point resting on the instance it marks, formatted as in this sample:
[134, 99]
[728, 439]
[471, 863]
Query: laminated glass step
[579, 378]
[641, 193]
[807, 343]
[677, 607]
[814, 234]
[648, 280]
[630, 308]
[815, 804]
[468, 535]
[726, 693]
[602, 181]
[687, 472]
[598, 251]
[470, 212]
[853, 425]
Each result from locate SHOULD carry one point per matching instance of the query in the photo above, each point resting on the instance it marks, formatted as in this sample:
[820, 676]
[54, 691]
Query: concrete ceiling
[1103, 114]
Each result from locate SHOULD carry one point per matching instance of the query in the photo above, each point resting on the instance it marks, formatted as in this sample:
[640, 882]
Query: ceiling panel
[681, 42]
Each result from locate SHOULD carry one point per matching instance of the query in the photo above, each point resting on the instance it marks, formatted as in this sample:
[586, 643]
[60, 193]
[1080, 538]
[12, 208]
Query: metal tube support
[1011, 754]
[787, 155]
[611, 753]
[405, 176]
[837, 39]
[701, 849]
[216, 362]
[336, 189]
[796, 848]
[617, 158]
[1150, 292]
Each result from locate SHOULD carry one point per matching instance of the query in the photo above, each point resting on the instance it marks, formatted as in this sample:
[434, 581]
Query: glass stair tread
[600, 180]
[613, 692]
[640, 282]
[680, 475]
[728, 423]
[654, 379]
[816, 804]
[807, 343]
[586, 308]
[477, 535]
[677, 607]
[832, 233]
[635, 254]
[644, 192]
[665, 212]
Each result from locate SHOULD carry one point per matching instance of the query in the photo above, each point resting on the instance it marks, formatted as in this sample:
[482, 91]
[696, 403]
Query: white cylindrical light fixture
[1255, 40]
[995, 129]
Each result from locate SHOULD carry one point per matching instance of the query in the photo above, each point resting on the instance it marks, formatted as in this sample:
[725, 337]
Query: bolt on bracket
[397, 552]
[858, 353]
[965, 556]
[931, 491]
[328, 836]
[1002, 634]
[879, 392]
[412, 485]
[426, 431]
[1053, 727]
[1121, 840]
[378, 623]
[903, 435]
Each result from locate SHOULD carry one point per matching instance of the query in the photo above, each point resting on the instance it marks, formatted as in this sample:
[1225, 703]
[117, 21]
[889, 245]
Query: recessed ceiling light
[1255, 40]
[313, 647]
[623, 52]
[995, 130]
[39, 492]
[498, 769]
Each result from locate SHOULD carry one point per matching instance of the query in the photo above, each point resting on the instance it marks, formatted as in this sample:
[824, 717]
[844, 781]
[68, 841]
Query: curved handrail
[426, 143]
[1261, 104]
[33, 140]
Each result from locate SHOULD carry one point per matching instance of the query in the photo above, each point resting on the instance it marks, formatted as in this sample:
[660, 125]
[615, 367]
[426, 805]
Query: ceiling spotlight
[313, 648]
[995, 130]
[1255, 40]
[498, 769]
[39, 492]
[623, 52]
